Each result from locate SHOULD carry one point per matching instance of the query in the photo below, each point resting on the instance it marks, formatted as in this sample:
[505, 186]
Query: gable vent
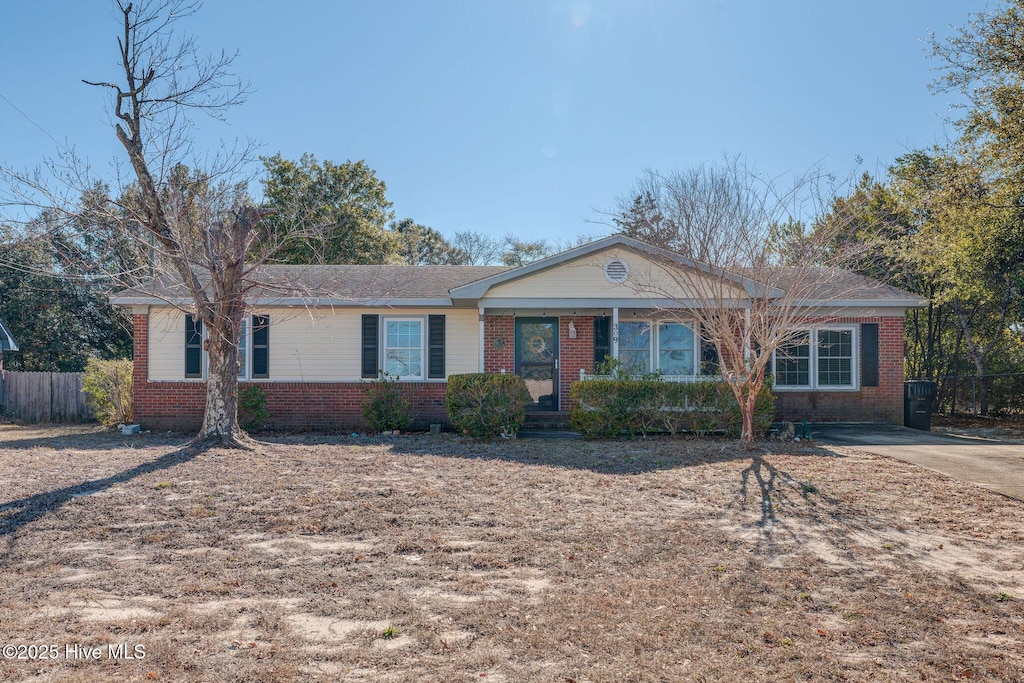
[616, 271]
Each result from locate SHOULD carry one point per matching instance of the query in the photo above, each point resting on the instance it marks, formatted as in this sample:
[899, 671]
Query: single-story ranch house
[315, 340]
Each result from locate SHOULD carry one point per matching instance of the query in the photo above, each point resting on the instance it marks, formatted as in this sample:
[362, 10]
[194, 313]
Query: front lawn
[432, 558]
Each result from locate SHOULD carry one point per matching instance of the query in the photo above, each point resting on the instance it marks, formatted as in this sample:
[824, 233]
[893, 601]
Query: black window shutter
[602, 339]
[193, 347]
[261, 346]
[708, 357]
[869, 354]
[435, 347]
[371, 338]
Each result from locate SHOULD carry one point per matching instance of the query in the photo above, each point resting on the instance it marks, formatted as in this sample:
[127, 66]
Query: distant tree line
[55, 279]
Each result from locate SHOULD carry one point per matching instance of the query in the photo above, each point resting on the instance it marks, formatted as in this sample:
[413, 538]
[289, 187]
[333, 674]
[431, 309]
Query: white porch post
[480, 339]
[615, 333]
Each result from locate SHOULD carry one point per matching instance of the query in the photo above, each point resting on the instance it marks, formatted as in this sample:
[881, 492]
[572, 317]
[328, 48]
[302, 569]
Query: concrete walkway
[995, 464]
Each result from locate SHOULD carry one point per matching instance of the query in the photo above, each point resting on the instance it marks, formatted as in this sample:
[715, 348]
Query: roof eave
[378, 302]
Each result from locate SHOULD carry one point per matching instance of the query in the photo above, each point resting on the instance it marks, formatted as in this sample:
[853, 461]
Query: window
[403, 347]
[669, 348]
[835, 358]
[635, 347]
[793, 363]
[675, 349]
[254, 348]
[817, 359]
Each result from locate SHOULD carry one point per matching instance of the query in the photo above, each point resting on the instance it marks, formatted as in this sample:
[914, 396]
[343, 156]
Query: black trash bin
[918, 398]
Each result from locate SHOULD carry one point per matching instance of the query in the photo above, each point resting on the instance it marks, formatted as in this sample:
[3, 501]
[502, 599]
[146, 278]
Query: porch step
[545, 420]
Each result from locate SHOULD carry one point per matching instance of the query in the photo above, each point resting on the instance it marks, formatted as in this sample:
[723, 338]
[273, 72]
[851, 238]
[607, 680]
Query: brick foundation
[338, 405]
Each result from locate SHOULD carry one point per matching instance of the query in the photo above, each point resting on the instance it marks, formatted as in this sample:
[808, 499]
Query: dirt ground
[422, 558]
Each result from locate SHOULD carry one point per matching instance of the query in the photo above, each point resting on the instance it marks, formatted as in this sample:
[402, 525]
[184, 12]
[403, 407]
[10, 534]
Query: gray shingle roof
[334, 283]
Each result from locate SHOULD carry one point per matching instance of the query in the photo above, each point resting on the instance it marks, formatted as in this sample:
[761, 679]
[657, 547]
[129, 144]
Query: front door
[537, 360]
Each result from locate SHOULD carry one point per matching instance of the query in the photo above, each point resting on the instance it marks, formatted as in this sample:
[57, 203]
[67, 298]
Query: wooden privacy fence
[42, 396]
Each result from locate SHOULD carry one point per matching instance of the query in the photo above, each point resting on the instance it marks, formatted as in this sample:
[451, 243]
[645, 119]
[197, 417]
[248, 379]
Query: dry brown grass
[521, 561]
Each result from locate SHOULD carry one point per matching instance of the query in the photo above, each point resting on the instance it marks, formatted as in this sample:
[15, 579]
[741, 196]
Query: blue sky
[517, 116]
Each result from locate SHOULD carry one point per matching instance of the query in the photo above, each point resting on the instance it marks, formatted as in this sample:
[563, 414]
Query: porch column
[480, 339]
[615, 333]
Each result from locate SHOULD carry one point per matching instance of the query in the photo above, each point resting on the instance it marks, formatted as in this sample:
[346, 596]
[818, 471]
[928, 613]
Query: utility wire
[29, 119]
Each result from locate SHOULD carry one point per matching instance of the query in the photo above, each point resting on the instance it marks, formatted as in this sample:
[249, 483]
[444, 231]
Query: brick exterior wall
[338, 405]
[495, 359]
[292, 405]
[574, 354]
[883, 403]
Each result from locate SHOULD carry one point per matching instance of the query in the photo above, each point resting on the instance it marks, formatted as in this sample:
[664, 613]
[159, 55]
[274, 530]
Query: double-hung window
[666, 347]
[253, 348]
[818, 359]
[403, 347]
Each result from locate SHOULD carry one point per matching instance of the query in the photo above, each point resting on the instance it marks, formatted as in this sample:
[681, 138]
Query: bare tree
[194, 220]
[476, 248]
[741, 260]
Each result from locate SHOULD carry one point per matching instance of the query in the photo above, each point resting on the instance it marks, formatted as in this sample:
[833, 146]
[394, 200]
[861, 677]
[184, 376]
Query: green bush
[107, 385]
[386, 407]
[613, 407]
[252, 408]
[487, 405]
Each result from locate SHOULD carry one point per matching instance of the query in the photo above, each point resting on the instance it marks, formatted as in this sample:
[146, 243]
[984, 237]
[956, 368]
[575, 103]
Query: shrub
[107, 385]
[252, 408]
[612, 407]
[487, 405]
[386, 407]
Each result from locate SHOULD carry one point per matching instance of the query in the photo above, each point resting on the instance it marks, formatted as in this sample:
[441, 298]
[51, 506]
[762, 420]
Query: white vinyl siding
[314, 344]
[585, 278]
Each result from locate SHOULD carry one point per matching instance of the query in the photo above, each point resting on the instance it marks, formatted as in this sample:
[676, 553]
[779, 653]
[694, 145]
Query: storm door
[537, 360]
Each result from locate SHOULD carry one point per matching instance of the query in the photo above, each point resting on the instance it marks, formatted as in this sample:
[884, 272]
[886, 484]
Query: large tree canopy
[343, 207]
[59, 318]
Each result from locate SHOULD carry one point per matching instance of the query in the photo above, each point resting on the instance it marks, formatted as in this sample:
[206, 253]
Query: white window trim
[813, 361]
[422, 377]
[654, 345]
[246, 374]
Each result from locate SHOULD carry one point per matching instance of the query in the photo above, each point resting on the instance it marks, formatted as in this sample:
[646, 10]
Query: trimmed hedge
[487, 405]
[612, 407]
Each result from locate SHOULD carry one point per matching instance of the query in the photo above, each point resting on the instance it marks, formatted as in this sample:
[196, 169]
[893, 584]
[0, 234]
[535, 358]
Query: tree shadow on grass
[16, 514]
[617, 457]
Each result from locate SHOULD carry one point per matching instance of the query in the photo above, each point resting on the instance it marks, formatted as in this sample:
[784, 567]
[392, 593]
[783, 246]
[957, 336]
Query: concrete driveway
[995, 464]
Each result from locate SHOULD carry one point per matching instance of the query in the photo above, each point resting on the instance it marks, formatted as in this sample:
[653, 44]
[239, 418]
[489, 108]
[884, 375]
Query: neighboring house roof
[7, 342]
[362, 285]
[836, 287]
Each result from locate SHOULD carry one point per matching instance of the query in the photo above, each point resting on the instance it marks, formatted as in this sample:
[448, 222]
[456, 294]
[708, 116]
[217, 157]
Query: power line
[29, 119]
